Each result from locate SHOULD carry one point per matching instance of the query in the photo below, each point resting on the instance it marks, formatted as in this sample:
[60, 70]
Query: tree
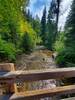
[43, 26]
[36, 25]
[67, 54]
[13, 25]
[51, 26]
[70, 27]
[28, 43]
[57, 12]
[28, 15]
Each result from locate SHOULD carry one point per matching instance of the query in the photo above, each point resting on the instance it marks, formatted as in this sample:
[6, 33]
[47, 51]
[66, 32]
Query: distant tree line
[49, 24]
[65, 43]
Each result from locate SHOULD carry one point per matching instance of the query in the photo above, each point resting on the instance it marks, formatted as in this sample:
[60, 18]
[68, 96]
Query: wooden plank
[5, 97]
[7, 67]
[33, 95]
[72, 98]
[35, 75]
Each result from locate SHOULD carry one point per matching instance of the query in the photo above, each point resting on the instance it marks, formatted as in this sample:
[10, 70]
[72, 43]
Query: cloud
[39, 12]
[64, 9]
[36, 7]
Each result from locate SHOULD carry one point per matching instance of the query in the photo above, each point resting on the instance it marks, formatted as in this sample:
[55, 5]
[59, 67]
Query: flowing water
[40, 59]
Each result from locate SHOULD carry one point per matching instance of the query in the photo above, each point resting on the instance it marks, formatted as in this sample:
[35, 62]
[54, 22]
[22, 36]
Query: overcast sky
[36, 7]
[64, 9]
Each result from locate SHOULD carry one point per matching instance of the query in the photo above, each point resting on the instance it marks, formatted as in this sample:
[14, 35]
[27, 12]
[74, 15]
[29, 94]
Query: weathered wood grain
[36, 94]
[35, 75]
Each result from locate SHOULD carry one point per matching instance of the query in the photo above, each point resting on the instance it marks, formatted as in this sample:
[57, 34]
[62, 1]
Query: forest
[20, 32]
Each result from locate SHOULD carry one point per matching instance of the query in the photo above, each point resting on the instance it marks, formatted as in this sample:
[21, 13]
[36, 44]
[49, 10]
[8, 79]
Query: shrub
[7, 50]
[59, 44]
[28, 42]
[65, 57]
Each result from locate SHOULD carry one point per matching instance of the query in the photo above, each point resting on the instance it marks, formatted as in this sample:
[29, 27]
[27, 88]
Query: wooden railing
[9, 76]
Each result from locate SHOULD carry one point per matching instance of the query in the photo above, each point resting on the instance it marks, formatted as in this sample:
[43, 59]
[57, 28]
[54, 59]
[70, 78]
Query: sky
[64, 9]
[36, 8]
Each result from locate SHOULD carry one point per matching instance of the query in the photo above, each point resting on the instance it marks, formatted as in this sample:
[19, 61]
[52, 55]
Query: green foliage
[60, 60]
[67, 54]
[28, 43]
[29, 37]
[65, 57]
[51, 29]
[7, 50]
[59, 47]
[43, 26]
[35, 24]
[13, 25]
[38, 40]
[48, 26]
[28, 16]
[66, 49]
[59, 44]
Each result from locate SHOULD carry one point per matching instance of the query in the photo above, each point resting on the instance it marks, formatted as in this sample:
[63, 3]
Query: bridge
[9, 77]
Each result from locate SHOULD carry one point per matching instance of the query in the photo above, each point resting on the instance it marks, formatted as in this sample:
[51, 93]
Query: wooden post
[7, 67]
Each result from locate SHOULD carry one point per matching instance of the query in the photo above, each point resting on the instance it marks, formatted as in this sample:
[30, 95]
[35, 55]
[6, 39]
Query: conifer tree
[70, 27]
[51, 26]
[43, 26]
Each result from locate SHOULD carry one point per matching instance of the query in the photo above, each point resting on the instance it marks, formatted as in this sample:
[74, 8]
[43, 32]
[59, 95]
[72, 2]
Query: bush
[28, 43]
[60, 59]
[59, 44]
[65, 57]
[7, 50]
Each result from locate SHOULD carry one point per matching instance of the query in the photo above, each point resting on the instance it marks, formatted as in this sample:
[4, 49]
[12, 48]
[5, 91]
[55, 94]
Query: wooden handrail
[32, 95]
[10, 76]
[35, 75]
